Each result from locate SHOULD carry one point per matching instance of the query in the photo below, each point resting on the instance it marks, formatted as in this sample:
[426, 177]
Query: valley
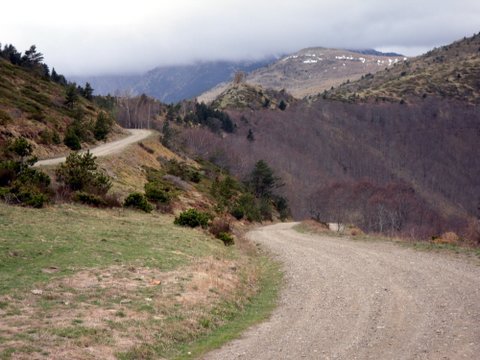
[319, 203]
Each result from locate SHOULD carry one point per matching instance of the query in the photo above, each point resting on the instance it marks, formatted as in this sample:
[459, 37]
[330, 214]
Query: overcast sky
[90, 37]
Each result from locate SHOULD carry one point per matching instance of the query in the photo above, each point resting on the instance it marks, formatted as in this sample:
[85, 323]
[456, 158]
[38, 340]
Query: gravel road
[107, 148]
[346, 299]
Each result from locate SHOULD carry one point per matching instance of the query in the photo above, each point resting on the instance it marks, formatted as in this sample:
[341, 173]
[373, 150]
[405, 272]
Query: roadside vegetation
[448, 241]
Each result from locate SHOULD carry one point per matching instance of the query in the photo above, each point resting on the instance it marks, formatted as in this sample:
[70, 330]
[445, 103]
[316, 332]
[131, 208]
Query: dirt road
[346, 299]
[107, 148]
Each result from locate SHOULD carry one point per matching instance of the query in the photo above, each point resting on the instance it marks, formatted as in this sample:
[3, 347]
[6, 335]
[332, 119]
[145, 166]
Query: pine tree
[71, 96]
[88, 92]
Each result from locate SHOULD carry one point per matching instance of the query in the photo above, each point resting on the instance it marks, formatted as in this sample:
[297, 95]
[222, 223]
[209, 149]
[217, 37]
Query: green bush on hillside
[137, 200]
[226, 238]
[80, 173]
[193, 218]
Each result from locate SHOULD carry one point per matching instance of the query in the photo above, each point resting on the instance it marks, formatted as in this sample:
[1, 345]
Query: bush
[183, 171]
[33, 198]
[247, 204]
[80, 173]
[103, 126]
[219, 226]
[226, 238]
[159, 193]
[192, 218]
[89, 199]
[237, 212]
[138, 201]
[72, 140]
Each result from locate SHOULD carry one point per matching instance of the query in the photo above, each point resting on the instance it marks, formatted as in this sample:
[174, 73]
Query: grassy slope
[78, 282]
[450, 71]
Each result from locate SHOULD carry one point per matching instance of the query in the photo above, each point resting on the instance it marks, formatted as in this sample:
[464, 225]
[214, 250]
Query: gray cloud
[124, 36]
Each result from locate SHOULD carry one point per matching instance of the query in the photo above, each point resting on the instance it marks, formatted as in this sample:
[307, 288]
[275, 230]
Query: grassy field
[77, 282]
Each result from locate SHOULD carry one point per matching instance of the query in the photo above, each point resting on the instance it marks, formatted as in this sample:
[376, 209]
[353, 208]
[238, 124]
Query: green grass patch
[68, 238]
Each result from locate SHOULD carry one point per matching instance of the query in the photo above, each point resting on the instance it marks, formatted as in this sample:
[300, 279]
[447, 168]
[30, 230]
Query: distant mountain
[310, 71]
[172, 83]
[450, 72]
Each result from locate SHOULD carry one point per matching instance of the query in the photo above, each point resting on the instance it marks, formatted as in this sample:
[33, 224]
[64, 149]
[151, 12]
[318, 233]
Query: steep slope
[313, 70]
[172, 83]
[451, 71]
[34, 107]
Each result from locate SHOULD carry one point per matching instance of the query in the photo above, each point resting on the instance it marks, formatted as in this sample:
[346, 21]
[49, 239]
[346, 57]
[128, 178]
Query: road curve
[107, 148]
[347, 299]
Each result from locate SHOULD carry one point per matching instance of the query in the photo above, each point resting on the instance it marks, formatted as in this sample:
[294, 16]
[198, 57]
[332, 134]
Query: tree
[262, 180]
[80, 173]
[31, 58]
[102, 126]
[283, 105]
[88, 92]
[250, 136]
[167, 133]
[71, 96]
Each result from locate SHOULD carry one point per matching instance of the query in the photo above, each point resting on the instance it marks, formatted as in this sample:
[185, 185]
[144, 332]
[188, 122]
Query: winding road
[347, 299]
[136, 135]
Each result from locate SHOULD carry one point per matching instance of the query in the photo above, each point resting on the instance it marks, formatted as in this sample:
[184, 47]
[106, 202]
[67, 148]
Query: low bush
[89, 199]
[158, 192]
[193, 218]
[226, 238]
[218, 226]
[137, 200]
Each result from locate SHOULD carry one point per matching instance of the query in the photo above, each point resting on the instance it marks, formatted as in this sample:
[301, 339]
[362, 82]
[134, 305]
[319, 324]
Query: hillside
[34, 107]
[244, 95]
[450, 72]
[171, 84]
[313, 70]
[358, 159]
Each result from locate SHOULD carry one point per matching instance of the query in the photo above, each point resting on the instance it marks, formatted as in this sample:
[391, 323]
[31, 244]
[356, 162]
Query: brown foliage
[219, 225]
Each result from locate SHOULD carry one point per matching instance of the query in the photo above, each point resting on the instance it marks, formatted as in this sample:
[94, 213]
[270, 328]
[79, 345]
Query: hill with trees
[425, 147]
[43, 107]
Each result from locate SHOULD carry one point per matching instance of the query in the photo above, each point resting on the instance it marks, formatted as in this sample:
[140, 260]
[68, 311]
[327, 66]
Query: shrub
[449, 238]
[138, 201]
[89, 199]
[226, 238]
[72, 140]
[183, 171]
[157, 192]
[192, 218]
[5, 117]
[237, 212]
[265, 209]
[103, 125]
[80, 173]
[218, 226]
[247, 204]
[32, 198]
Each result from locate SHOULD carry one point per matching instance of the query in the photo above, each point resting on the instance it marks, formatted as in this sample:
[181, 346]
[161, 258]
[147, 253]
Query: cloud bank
[108, 37]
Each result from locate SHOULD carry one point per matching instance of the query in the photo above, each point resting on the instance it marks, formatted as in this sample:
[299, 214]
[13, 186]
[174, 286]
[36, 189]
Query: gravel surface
[346, 299]
[136, 135]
